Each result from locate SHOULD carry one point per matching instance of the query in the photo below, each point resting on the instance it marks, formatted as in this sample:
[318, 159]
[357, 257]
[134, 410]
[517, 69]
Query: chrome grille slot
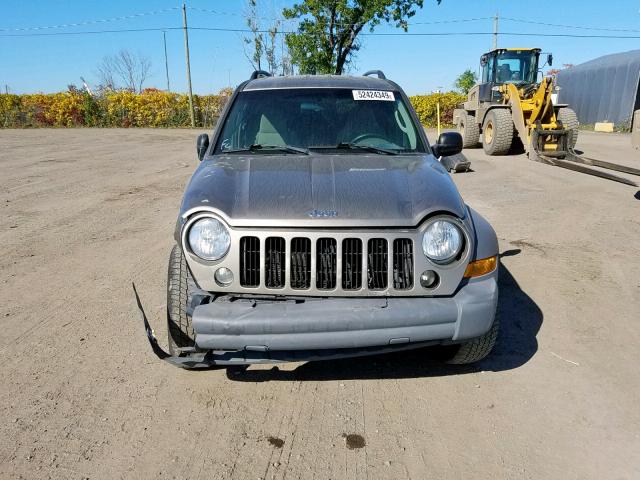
[351, 264]
[300, 275]
[274, 262]
[249, 261]
[326, 264]
[402, 264]
[377, 264]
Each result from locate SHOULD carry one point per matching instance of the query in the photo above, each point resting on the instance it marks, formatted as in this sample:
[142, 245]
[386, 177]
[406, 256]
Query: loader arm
[534, 113]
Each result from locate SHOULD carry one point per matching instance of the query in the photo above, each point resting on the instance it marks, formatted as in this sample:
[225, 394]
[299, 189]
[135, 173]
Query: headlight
[442, 241]
[209, 239]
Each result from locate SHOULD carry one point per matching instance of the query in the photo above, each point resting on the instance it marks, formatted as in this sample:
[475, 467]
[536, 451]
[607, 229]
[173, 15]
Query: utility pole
[495, 32]
[439, 92]
[166, 59]
[186, 48]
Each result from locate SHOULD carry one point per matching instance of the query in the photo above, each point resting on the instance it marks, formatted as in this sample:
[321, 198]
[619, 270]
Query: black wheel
[469, 129]
[570, 122]
[180, 288]
[476, 349]
[497, 131]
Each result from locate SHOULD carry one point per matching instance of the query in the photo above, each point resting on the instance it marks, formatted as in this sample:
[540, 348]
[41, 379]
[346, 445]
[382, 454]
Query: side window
[487, 70]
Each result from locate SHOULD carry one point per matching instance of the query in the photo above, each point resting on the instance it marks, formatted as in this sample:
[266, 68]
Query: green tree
[465, 81]
[327, 35]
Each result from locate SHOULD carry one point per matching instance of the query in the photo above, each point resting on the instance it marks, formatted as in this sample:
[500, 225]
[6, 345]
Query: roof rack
[259, 74]
[379, 73]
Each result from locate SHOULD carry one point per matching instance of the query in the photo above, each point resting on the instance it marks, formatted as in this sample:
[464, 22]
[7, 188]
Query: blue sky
[420, 64]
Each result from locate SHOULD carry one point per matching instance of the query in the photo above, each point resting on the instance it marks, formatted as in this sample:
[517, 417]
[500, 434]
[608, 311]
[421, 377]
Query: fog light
[224, 276]
[429, 279]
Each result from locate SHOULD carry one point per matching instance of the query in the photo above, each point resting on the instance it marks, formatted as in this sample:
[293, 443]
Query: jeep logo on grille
[315, 213]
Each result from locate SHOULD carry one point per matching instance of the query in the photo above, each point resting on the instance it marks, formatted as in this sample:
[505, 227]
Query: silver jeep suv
[321, 224]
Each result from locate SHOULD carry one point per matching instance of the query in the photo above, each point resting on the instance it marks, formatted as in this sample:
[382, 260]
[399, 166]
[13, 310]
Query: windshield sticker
[373, 95]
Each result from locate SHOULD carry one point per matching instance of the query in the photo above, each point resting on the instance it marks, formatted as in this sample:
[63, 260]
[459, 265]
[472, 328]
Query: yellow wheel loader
[510, 110]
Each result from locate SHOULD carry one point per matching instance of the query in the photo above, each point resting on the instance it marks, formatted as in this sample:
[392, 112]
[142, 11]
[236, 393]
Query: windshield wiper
[258, 147]
[369, 148]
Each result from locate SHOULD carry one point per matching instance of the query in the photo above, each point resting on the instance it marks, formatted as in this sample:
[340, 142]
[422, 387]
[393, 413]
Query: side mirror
[202, 143]
[550, 59]
[449, 143]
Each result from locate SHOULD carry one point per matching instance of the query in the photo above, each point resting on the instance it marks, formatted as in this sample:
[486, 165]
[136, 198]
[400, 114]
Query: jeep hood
[319, 190]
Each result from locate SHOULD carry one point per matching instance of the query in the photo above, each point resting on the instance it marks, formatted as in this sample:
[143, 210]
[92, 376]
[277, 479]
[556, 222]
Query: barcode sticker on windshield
[373, 95]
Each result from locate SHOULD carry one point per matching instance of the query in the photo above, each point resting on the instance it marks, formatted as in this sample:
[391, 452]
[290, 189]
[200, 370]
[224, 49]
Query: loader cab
[507, 65]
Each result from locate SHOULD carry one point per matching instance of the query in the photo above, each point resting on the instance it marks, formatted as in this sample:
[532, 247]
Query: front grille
[351, 263]
[377, 266]
[300, 263]
[294, 262]
[402, 264]
[326, 264]
[249, 261]
[274, 266]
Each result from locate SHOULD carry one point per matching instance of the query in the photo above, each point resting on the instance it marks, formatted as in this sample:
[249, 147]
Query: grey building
[606, 89]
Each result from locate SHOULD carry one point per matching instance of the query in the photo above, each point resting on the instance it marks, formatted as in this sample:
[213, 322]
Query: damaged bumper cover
[250, 330]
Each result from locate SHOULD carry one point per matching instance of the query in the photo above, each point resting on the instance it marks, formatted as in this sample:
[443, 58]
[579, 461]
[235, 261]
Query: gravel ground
[86, 212]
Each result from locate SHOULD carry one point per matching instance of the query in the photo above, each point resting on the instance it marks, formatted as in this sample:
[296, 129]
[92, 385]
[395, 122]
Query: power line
[513, 34]
[204, 10]
[54, 34]
[285, 32]
[90, 22]
[273, 19]
[235, 14]
[218, 12]
[580, 27]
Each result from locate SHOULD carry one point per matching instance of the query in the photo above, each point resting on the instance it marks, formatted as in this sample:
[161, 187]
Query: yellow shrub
[57, 109]
[155, 108]
[10, 109]
[426, 107]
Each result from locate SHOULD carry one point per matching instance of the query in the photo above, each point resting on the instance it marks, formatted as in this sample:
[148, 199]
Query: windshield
[320, 119]
[517, 66]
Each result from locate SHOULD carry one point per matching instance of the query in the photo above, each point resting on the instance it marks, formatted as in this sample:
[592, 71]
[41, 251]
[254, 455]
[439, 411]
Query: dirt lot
[86, 212]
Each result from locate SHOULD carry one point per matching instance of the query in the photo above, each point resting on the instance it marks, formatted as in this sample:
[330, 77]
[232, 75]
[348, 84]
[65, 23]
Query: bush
[426, 107]
[151, 108]
[155, 108]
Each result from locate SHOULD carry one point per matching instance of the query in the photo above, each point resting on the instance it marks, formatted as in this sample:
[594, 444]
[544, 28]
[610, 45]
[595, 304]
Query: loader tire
[497, 132]
[469, 129]
[570, 122]
[180, 287]
[476, 349]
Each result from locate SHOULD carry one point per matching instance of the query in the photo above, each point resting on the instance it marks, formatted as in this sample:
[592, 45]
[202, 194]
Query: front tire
[469, 130]
[476, 349]
[497, 132]
[180, 288]
[570, 122]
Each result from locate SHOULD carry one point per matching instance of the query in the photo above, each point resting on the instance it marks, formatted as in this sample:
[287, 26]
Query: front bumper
[245, 331]
[345, 323]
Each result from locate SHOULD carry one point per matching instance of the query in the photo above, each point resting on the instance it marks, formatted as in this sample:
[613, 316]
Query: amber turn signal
[481, 267]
